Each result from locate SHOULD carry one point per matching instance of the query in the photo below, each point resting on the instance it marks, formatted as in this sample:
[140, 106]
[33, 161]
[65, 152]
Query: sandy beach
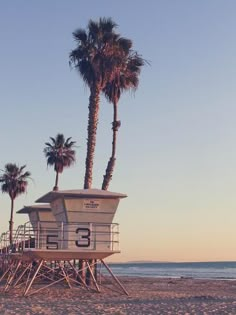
[147, 296]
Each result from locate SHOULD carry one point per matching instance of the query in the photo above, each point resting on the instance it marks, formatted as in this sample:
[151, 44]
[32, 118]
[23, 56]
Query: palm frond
[125, 44]
[107, 24]
[14, 180]
[80, 35]
[60, 153]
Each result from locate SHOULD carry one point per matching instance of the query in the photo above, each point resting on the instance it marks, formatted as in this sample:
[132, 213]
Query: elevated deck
[52, 255]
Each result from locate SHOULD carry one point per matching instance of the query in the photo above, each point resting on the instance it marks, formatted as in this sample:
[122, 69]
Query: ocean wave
[207, 270]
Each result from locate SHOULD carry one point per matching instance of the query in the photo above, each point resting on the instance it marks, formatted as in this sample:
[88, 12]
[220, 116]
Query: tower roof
[80, 193]
[28, 209]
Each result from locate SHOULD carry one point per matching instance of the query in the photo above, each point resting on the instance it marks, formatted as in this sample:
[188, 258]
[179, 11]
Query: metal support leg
[61, 274]
[92, 275]
[114, 277]
[78, 275]
[11, 278]
[22, 274]
[65, 275]
[32, 280]
[6, 272]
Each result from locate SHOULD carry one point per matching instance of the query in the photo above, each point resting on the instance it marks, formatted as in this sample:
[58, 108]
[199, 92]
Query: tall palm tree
[14, 182]
[126, 78]
[60, 154]
[98, 53]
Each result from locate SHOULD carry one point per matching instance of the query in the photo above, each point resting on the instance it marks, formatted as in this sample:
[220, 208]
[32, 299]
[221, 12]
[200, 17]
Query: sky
[176, 155]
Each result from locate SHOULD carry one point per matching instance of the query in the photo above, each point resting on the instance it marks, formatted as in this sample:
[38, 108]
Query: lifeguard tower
[42, 227]
[85, 221]
[73, 225]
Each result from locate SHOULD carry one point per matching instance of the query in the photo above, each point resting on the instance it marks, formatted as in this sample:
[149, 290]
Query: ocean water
[198, 270]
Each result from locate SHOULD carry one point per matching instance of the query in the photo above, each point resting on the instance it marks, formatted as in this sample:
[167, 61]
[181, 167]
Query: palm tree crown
[126, 77]
[14, 181]
[97, 57]
[99, 51]
[60, 154]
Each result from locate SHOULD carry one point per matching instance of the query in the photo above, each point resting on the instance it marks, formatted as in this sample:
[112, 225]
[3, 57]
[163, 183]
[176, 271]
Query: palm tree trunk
[91, 140]
[92, 131]
[11, 222]
[55, 188]
[111, 163]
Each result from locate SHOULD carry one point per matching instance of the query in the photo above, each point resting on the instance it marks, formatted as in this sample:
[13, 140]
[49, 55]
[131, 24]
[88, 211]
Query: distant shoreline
[171, 262]
[196, 270]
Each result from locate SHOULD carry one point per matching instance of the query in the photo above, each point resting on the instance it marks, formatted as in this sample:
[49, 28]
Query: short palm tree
[98, 53]
[14, 181]
[126, 78]
[60, 154]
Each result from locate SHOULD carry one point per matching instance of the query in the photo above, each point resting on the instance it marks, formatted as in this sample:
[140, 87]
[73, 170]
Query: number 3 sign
[84, 237]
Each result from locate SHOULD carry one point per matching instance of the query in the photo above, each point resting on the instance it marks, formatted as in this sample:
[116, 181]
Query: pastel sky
[176, 157]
